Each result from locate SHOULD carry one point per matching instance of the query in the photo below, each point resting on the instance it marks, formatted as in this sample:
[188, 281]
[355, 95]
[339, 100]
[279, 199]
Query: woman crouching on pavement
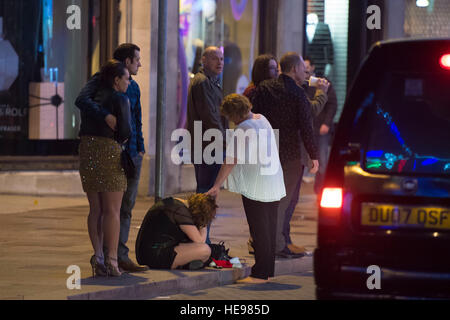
[260, 184]
[173, 233]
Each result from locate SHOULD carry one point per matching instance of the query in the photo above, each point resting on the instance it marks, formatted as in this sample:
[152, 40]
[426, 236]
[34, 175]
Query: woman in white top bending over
[252, 168]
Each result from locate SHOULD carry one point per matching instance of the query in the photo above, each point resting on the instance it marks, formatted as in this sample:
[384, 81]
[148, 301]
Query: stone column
[394, 19]
[291, 26]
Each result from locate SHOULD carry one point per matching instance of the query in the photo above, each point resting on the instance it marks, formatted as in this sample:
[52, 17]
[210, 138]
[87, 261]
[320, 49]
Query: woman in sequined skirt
[101, 172]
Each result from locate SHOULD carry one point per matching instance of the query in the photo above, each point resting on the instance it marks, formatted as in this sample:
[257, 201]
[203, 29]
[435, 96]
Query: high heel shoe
[112, 270]
[98, 269]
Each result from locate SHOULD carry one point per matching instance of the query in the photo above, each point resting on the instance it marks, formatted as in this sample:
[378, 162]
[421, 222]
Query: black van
[384, 215]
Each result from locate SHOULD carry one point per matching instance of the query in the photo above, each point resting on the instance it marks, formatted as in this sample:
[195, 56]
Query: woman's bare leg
[95, 223]
[187, 252]
[111, 203]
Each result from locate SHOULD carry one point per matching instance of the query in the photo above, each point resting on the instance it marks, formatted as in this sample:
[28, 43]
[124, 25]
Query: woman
[173, 235]
[265, 67]
[261, 185]
[101, 172]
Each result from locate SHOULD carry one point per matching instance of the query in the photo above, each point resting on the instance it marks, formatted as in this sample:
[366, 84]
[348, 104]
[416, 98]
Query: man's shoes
[295, 249]
[288, 254]
[130, 267]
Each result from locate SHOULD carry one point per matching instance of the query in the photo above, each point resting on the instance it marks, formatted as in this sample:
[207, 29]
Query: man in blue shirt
[129, 54]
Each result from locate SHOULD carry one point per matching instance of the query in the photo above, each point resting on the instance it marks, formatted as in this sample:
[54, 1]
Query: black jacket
[204, 100]
[288, 109]
[114, 103]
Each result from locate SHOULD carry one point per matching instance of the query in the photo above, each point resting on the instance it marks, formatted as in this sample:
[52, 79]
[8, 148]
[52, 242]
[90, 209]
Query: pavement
[44, 239]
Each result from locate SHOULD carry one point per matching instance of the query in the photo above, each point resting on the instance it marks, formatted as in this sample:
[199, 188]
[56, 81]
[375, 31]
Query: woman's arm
[221, 177]
[123, 113]
[193, 233]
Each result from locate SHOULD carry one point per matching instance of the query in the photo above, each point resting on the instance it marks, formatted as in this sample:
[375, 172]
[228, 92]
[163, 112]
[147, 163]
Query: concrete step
[190, 281]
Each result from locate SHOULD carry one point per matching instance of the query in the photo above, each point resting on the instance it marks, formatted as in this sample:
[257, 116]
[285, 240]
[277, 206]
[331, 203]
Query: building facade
[49, 49]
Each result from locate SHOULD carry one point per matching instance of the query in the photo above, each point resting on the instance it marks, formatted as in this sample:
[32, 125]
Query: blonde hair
[235, 106]
[203, 208]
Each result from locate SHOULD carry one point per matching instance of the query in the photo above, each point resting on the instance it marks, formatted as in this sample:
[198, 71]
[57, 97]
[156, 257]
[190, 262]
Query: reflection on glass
[227, 24]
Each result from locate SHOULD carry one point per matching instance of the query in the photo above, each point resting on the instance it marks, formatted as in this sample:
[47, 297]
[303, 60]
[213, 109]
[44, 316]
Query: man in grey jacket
[323, 124]
[204, 100]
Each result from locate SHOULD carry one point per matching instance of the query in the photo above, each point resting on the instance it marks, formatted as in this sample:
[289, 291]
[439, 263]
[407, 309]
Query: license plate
[377, 214]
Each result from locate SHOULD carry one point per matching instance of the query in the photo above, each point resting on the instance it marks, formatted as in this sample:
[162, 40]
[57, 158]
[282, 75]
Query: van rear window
[410, 125]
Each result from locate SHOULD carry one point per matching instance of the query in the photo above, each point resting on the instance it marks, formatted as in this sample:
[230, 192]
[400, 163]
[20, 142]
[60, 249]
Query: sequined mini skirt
[100, 166]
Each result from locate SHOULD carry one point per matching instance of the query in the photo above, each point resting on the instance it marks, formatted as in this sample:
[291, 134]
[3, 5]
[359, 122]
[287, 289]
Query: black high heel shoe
[112, 270]
[98, 269]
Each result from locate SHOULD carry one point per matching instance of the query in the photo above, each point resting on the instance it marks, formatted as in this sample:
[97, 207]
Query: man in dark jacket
[129, 54]
[288, 109]
[204, 100]
[323, 124]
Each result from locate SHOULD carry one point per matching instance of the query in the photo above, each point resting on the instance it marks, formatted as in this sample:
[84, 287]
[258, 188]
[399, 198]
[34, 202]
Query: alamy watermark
[251, 146]
[374, 20]
[74, 280]
[374, 281]
[73, 22]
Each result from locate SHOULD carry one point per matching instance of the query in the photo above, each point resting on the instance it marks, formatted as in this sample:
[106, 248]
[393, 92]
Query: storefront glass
[327, 42]
[45, 63]
[229, 24]
[428, 18]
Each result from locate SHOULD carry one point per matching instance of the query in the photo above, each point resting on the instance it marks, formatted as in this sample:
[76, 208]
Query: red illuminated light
[445, 61]
[331, 198]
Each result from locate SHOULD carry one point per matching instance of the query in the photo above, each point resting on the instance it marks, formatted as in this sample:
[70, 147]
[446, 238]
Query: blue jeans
[128, 202]
[323, 141]
[205, 175]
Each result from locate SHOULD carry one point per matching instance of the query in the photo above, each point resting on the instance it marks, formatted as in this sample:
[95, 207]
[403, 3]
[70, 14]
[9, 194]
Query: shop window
[229, 24]
[427, 18]
[48, 64]
[327, 42]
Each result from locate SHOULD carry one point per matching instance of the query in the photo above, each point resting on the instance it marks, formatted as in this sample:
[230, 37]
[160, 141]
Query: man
[204, 100]
[323, 123]
[318, 98]
[129, 54]
[288, 109]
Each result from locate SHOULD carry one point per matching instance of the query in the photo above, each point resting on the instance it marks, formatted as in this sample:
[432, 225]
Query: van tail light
[445, 61]
[331, 198]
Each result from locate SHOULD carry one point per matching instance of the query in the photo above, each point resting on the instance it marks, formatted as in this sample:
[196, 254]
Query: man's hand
[111, 121]
[323, 85]
[324, 129]
[141, 154]
[315, 166]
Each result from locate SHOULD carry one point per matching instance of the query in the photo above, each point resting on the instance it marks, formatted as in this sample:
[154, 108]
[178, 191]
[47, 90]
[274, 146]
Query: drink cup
[313, 81]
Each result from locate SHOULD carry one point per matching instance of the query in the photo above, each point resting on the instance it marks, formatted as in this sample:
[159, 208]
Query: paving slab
[39, 242]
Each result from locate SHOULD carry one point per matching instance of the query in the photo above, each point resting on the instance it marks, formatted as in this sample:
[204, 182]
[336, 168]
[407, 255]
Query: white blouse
[258, 174]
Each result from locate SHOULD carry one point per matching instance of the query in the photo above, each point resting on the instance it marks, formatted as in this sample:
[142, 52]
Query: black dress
[160, 233]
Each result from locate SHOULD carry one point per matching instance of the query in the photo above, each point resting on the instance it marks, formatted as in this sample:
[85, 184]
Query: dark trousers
[290, 210]
[292, 173]
[205, 175]
[262, 222]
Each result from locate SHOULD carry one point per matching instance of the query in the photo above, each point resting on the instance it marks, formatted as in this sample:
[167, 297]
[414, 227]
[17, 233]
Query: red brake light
[331, 198]
[445, 61]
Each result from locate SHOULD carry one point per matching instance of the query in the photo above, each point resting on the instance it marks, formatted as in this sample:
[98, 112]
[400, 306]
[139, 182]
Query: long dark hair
[261, 70]
[111, 70]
